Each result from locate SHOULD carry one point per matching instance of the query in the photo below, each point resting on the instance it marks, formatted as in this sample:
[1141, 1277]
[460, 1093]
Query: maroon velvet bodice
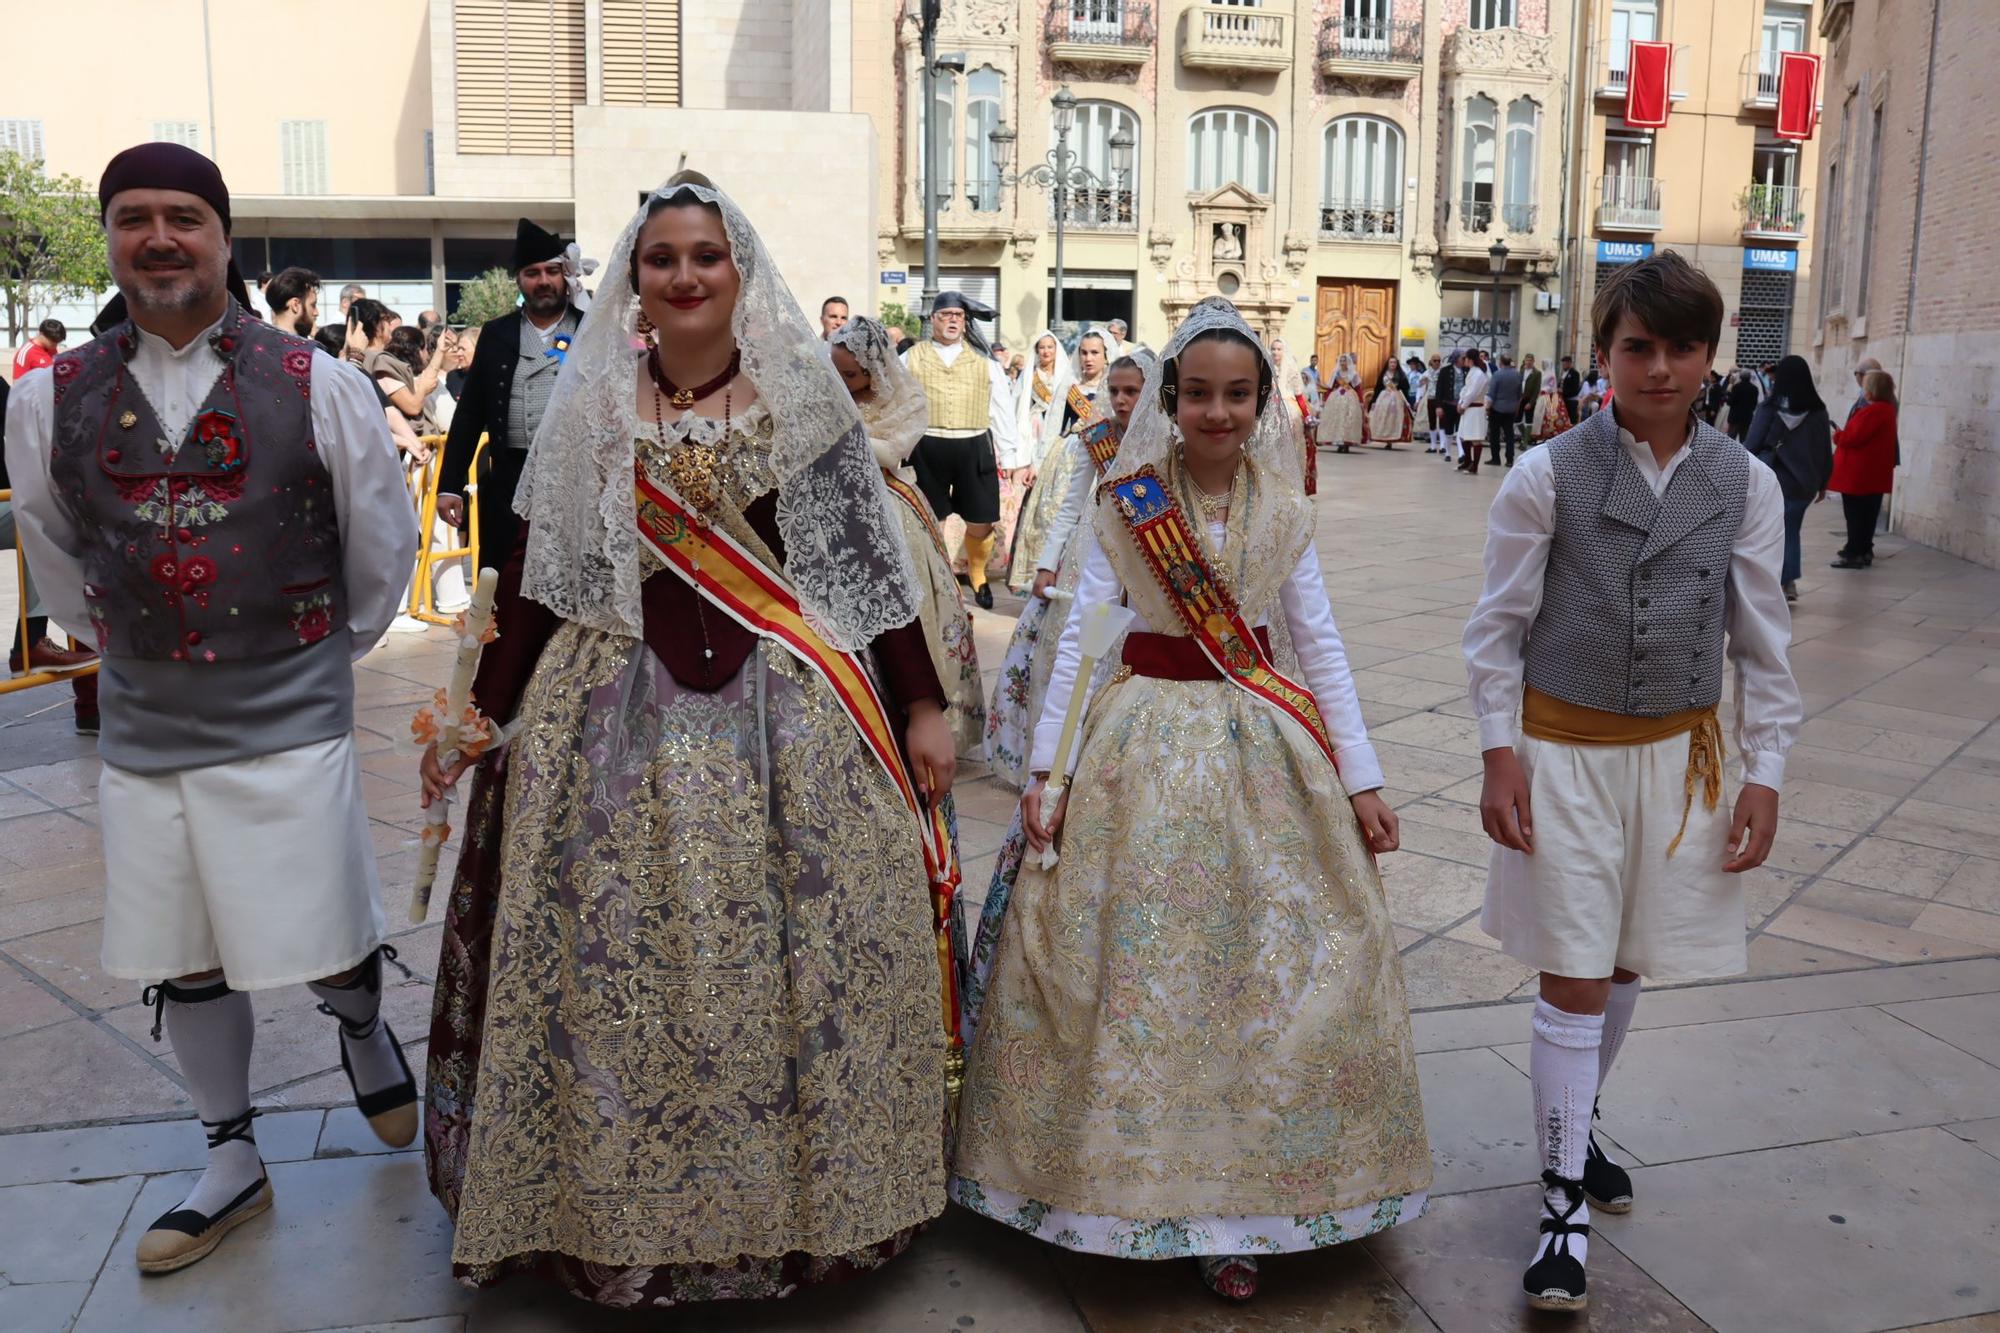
[700, 647]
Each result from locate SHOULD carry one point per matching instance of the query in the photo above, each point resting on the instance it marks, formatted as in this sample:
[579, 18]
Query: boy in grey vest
[1624, 562]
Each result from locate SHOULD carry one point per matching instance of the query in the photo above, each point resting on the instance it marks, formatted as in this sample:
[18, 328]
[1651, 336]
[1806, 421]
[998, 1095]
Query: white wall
[822, 236]
[738, 53]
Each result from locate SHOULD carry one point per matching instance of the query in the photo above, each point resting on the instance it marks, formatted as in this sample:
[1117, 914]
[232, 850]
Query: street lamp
[1060, 172]
[1496, 257]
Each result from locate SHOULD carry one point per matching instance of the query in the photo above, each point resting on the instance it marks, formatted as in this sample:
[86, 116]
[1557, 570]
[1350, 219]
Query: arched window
[1108, 205]
[1523, 117]
[1227, 144]
[1361, 178]
[982, 117]
[1475, 163]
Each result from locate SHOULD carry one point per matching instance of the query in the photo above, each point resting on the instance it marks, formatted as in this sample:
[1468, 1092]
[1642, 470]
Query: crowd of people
[686, 1042]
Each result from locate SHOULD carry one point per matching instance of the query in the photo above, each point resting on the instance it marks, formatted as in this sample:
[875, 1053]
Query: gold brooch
[697, 473]
[127, 420]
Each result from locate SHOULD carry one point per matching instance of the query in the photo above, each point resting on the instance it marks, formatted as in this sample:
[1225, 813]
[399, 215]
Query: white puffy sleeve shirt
[378, 524]
[1322, 661]
[1519, 531]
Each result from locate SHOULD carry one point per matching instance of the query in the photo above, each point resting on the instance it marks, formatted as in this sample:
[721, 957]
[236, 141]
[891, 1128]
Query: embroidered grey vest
[1632, 603]
[222, 549]
[534, 382]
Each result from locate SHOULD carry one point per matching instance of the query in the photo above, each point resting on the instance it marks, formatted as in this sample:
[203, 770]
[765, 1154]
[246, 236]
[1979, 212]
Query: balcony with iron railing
[1773, 212]
[1480, 216]
[1611, 68]
[1236, 38]
[1472, 224]
[1359, 220]
[1099, 32]
[969, 213]
[1760, 79]
[1629, 203]
[1366, 48]
[1096, 208]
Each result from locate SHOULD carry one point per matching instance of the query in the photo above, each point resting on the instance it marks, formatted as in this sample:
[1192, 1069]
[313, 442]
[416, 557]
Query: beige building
[1909, 267]
[1715, 183]
[1339, 168]
[395, 143]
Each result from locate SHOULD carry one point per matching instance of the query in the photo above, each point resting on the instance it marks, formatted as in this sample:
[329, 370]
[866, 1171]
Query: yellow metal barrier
[423, 598]
[28, 677]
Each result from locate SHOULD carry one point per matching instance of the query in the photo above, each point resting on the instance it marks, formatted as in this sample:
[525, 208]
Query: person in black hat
[971, 435]
[507, 389]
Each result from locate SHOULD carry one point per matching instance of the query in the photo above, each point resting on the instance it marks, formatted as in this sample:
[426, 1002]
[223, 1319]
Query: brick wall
[1944, 345]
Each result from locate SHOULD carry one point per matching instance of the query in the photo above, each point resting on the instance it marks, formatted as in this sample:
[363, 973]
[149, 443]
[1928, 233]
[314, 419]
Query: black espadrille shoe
[1555, 1281]
[187, 1235]
[1607, 1183]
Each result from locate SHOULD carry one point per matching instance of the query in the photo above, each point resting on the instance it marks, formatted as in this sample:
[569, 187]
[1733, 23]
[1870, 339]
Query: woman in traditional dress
[1292, 390]
[705, 1054]
[893, 410]
[1049, 478]
[1389, 415]
[1024, 672]
[1342, 419]
[1422, 386]
[1045, 386]
[1195, 1042]
[1551, 416]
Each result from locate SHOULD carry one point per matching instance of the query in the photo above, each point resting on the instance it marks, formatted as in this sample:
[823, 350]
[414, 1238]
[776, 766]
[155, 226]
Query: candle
[457, 694]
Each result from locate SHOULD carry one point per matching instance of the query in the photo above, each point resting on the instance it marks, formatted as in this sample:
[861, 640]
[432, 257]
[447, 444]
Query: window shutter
[23, 137]
[642, 52]
[519, 70]
[303, 146]
[186, 133]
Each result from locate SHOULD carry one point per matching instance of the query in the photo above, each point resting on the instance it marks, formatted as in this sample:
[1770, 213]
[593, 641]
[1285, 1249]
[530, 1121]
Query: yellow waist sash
[1547, 718]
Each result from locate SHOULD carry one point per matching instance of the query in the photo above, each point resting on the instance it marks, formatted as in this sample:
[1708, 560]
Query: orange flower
[424, 726]
[488, 635]
[436, 835]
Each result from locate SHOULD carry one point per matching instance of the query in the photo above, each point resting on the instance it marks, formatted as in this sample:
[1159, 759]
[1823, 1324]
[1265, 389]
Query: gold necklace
[1214, 508]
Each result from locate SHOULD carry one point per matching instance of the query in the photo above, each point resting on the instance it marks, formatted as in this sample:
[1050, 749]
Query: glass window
[468, 257]
[1475, 162]
[1631, 21]
[1863, 256]
[1784, 29]
[1491, 14]
[982, 117]
[1523, 115]
[944, 106]
[1109, 203]
[1227, 144]
[1361, 178]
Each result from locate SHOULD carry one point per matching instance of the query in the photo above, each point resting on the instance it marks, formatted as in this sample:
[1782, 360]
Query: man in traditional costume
[513, 372]
[971, 436]
[221, 502]
[1625, 560]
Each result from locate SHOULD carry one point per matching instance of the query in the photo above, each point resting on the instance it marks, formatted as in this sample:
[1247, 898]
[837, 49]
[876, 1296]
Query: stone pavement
[1815, 1147]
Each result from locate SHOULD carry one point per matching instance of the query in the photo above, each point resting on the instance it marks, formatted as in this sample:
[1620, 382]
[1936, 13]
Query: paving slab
[146, 1148]
[59, 1232]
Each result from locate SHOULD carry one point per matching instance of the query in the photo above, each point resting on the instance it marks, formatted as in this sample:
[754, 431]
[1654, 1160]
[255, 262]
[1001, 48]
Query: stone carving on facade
[1024, 246]
[885, 246]
[990, 19]
[1503, 50]
[1239, 260]
[1228, 241]
[1423, 256]
[1160, 247]
[1297, 248]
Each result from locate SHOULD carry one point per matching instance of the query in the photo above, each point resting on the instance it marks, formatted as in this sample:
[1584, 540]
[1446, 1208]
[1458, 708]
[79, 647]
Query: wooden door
[1357, 318]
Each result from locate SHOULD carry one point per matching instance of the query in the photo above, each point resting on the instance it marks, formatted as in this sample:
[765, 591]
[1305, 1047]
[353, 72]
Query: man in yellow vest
[971, 436]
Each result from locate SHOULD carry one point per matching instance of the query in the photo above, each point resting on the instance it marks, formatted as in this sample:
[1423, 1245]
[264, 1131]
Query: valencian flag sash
[717, 567]
[910, 496]
[1206, 608]
[1649, 70]
[1798, 95]
[1099, 433]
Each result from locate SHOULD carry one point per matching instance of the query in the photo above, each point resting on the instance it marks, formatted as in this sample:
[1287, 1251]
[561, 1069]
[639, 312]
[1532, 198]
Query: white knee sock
[211, 1032]
[1617, 1022]
[1562, 1063]
[358, 1006]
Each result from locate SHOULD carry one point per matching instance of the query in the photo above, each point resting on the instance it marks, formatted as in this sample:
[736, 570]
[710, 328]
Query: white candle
[456, 695]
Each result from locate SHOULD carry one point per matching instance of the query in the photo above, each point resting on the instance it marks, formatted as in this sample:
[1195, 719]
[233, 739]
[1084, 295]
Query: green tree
[51, 241]
[490, 295]
[894, 316]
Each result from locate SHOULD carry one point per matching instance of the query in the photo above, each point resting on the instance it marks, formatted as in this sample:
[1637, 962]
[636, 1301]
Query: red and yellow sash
[912, 497]
[717, 567]
[1170, 550]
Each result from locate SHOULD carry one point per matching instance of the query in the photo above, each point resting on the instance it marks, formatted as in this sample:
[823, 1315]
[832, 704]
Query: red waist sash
[1176, 656]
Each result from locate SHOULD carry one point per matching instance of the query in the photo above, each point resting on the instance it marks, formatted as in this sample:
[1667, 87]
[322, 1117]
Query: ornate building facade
[1341, 169]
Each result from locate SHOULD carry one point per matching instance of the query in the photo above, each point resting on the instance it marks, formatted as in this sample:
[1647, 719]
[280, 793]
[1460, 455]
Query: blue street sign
[895, 277]
[1623, 252]
[1771, 261]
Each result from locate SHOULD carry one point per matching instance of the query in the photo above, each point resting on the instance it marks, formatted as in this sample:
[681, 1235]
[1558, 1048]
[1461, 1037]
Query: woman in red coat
[1864, 467]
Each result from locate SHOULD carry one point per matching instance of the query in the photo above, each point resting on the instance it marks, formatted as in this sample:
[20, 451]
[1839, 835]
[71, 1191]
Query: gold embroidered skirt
[712, 1025]
[1199, 1013]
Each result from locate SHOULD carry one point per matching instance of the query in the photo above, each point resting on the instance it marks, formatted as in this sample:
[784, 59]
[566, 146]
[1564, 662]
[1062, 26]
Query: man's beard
[546, 305]
[188, 289]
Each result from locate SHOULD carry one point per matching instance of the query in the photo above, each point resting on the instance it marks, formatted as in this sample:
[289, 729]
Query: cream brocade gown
[712, 1034]
[947, 629]
[1195, 1039]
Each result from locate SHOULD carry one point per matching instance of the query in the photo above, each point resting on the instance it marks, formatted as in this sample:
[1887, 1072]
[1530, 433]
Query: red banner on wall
[1648, 82]
[1798, 95]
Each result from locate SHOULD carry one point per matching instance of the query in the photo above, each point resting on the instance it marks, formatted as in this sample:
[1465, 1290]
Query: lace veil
[1060, 378]
[843, 550]
[896, 413]
[1152, 434]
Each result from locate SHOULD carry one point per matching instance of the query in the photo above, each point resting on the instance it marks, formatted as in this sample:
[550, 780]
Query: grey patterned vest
[1632, 604]
[534, 382]
[224, 549]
